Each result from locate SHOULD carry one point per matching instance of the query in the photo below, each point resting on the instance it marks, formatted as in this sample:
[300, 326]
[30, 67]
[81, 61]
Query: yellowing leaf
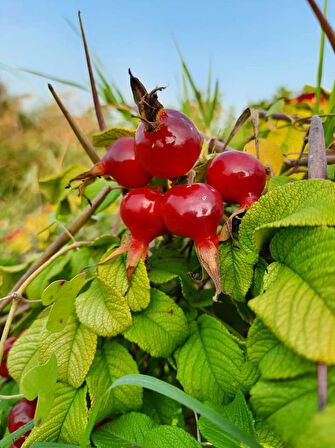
[109, 136]
[270, 154]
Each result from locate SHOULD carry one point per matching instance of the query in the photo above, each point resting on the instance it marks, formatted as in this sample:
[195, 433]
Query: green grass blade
[181, 397]
[186, 106]
[320, 66]
[7, 441]
[213, 104]
[196, 92]
[209, 85]
[329, 125]
[51, 77]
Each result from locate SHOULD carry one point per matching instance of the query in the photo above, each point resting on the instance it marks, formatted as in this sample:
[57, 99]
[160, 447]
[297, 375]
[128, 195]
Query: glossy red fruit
[119, 162]
[140, 210]
[22, 412]
[3, 366]
[172, 148]
[195, 211]
[239, 177]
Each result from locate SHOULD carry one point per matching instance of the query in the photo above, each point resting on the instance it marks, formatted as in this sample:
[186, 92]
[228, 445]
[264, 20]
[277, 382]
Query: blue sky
[255, 45]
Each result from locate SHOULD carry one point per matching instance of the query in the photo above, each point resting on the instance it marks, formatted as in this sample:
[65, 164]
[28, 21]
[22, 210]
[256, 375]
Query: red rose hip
[140, 210]
[22, 412]
[239, 177]
[195, 211]
[120, 163]
[172, 149]
[167, 142]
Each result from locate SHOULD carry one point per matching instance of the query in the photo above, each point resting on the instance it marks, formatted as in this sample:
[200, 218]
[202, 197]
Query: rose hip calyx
[140, 210]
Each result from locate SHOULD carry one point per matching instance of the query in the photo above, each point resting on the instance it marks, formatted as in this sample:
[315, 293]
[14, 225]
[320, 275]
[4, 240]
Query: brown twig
[304, 143]
[278, 116]
[97, 105]
[63, 238]
[304, 161]
[85, 143]
[317, 169]
[325, 25]
[255, 124]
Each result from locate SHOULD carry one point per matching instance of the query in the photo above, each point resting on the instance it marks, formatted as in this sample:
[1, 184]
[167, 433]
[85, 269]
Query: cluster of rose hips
[167, 144]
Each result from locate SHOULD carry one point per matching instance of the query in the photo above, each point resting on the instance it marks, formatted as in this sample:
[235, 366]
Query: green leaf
[109, 136]
[267, 437]
[103, 309]
[99, 245]
[110, 363]
[300, 203]
[7, 441]
[53, 187]
[9, 275]
[114, 274]
[298, 304]
[162, 409]
[67, 419]
[275, 107]
[74, 348]
[210, 364]
[53, 445]
[275, 360]
[181, 397]
[63, 293]
[329, 124]
[8, 388]
[35, 289]
[169, 436]
[236, 270]
[92, 190]
[159, 329]
[80, 260]
[289, 405]
[40, 381]
[127, 431]
[320, 432]
[277, 181]
[258, 278]
[167, 264]
[24, 354]
[238, 413]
